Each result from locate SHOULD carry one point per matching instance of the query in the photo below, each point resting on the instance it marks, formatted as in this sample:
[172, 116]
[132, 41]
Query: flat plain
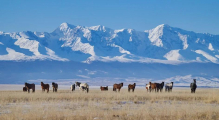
[179, 104]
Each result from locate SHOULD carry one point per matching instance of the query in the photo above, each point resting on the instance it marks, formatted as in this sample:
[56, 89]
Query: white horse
[147, 87]
[169, 87]
[84, 86]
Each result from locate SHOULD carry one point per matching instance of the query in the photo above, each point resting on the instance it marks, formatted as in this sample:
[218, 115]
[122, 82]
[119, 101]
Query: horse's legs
[119, 90]
[128, 89]
[87, 90]
[133, 89]
[28, 90]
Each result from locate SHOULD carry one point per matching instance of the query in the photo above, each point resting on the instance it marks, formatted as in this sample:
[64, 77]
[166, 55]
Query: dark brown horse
[117, 86]
[45, 87]
[153, 86]
[104, 88]
[193, 86]
[24, 89]
[159, 86]
[54, 86]
[30, 86]
[130, 86]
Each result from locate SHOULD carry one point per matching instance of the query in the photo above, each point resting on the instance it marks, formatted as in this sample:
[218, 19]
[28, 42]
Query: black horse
[54, 86]
[30, 86]
[73, 87]
[159, 86]
[193, 86]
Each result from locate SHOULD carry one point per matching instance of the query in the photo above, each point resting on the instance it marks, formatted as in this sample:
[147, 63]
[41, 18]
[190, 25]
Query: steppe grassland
[108, 105]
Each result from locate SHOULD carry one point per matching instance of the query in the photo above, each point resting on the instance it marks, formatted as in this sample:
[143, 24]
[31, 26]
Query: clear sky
[46, 15]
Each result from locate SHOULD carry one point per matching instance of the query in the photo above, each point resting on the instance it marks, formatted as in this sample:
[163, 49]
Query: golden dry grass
[108, 105]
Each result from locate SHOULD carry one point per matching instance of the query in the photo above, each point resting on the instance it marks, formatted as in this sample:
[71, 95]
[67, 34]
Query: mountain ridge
[162, 44]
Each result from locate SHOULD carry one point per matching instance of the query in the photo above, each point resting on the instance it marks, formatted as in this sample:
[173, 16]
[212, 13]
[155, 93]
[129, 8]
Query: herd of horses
[157, 87]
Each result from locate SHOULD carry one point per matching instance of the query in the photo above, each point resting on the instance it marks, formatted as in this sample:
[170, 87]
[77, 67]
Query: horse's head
[172, 83]
[162, 83]
[42, 83]
[53, 83]
[149, 83]
[121, 84]
[77, 84]
[134, 84]
[25, 84]
[194, 80]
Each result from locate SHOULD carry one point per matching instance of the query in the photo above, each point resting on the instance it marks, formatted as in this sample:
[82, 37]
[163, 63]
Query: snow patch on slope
[121, 50]
[210, 47]
[155, 34]
[184, 39]
[12, 55]
[173, 55]
[206, 55]
[77, 45]
[32, 45]
[53, 56]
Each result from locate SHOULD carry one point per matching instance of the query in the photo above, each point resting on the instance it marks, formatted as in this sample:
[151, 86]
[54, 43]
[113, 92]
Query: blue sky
[46, 15]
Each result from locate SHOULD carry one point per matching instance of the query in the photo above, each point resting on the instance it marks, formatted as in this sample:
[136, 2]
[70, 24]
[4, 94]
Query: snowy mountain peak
[100, 28]
[163, 44]
[65, 26]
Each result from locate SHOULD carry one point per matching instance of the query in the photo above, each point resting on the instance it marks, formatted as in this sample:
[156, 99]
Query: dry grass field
[108, 105]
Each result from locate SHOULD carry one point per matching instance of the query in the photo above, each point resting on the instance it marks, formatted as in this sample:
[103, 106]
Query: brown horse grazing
[30, 86]
[24, 89]
[45, 87]
[117, 86]
[54, 86]
[159, 86]
[153, 86]
[130, 86]
[104, 88]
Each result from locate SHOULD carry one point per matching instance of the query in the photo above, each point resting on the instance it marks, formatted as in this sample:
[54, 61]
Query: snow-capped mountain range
[163, 44]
